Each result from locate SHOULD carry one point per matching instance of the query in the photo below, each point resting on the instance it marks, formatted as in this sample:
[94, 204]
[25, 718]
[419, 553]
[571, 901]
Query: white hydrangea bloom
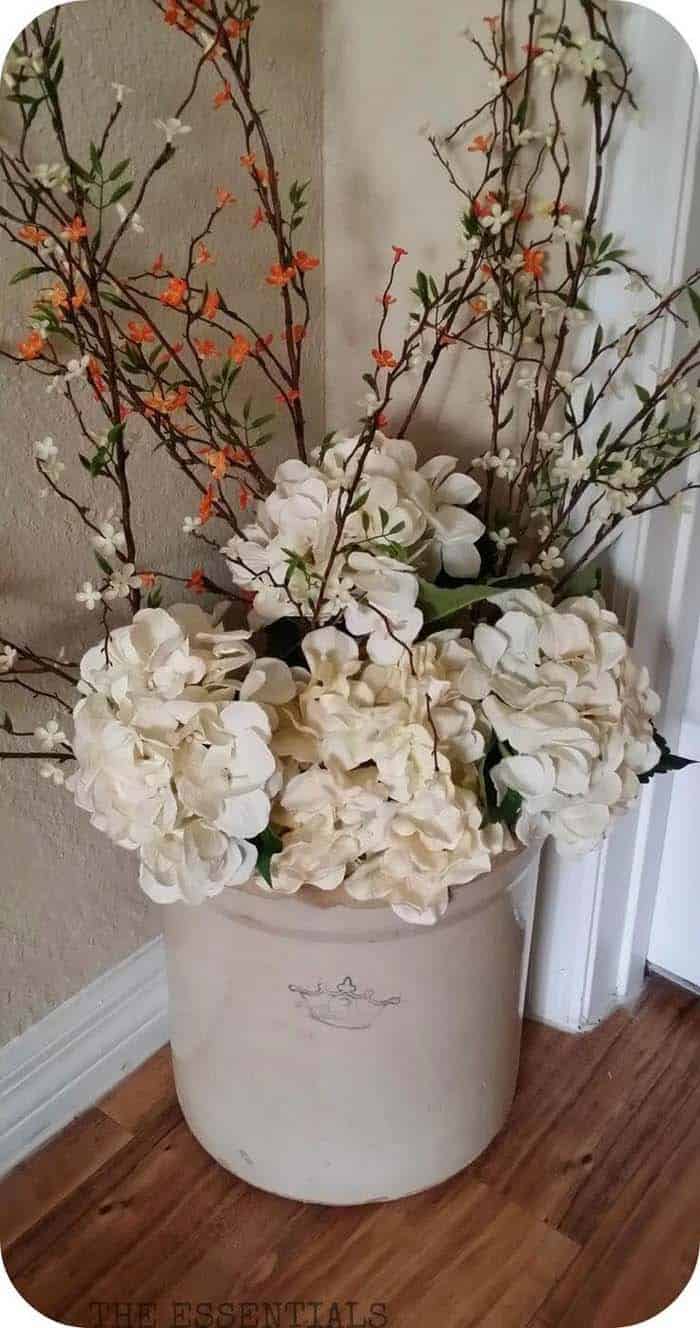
[172, 762]
[560, 690]
[382, 795]
[403, 520]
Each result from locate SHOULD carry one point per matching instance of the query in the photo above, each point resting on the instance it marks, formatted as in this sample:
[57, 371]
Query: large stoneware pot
[339, 1055]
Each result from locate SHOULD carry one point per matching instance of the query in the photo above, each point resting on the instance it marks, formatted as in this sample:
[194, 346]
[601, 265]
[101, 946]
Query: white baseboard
[77, 1053]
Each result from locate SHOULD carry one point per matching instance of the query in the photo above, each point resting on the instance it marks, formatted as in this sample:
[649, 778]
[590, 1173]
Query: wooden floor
[584, 1213]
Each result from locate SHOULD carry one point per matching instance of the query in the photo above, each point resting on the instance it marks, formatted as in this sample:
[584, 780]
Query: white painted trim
[594, 918]
[77, 1053]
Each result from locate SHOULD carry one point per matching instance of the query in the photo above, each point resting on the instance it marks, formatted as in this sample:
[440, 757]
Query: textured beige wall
[391, 69]
[70, 906]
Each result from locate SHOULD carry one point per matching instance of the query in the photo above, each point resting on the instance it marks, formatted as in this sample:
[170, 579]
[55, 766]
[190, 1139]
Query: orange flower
[481, 143]
[382, 421]
[206, 349]
[533, 51]
[57, 296]
[298, 333]
[176, 17]
[31, 348]
[533, 262]
[484, 207]
[217, 459]
[280, 276]
[223, 96]
[493, 23]
[196, 581]
[236, 27]
[238, 456]
[96, 376]
[248, 160]
[76, 231]
[140, 333]
[158, 266]
[81, 297]
[206, 507]
[211, 305]
[262, 176]
[32, 235]
[224, 196]
[288, 398]
[399, 253]
[479, 305]
[262, 343]
[487, 270]
[175, 293]
[387, 300]
[166, 405]
[204, 256]
[243, 499]
[239, 350]
[258, 219]
[305, 262]
[384, 359]
[147, 579]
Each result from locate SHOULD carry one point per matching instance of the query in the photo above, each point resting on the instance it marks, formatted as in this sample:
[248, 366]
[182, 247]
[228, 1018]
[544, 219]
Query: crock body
[338, 1055]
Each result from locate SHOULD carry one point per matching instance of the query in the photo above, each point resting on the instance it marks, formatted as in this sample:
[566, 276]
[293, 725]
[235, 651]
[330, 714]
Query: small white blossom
[570, 469]
[121, 90]
[8, 659]
[110, 539]
[137, 225]
[172, 128]
[502, 538]
[552, 58]
[45, 450]
[50, 736]
[521, 137]
[190, 524]
[549, 561]
[55, 176]
[588, 55]
[549, 442]
[568, 228]
[49, 770]
[496, 219]
[564, 379]
[121, 582]
[89, 596]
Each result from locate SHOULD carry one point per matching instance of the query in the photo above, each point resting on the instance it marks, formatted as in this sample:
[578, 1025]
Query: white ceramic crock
[339, 1055]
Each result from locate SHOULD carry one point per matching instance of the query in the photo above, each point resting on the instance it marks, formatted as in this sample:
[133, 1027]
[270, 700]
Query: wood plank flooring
[584, 1213]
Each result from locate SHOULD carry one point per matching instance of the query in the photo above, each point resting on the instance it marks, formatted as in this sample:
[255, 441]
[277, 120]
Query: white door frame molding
[594, 917]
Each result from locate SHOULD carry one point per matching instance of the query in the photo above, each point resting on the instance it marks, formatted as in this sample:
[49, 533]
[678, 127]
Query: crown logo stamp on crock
[342, 1006]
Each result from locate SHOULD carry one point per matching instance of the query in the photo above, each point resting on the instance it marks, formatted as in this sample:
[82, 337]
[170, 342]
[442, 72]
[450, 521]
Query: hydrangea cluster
[382, 781]
[571, 711]
[324, 544]
[381, 786]
[173, 757]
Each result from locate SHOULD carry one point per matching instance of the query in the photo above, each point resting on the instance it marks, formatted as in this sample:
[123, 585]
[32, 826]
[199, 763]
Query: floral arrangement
[428, 676]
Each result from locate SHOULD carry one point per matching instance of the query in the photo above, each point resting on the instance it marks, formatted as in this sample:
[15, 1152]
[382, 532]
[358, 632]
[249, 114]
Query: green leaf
[120, 192]
[439, 602]
[586, 582]
[667, 763]
[103, 565]
[695, 301]
[642, 393]
[118, 170]
[268, 845]
[24, 273]
[116, 434]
